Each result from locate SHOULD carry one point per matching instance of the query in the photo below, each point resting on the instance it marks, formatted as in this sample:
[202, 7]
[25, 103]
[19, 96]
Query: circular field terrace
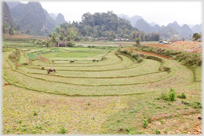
[109, 77]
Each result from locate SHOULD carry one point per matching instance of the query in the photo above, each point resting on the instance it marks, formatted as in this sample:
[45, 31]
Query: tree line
[104, 26]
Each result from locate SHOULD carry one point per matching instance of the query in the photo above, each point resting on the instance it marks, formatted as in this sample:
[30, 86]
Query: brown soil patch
[188, 124]
[154, 54]
[149, 53]
[165, 46]
[187, 45]
[180, 46]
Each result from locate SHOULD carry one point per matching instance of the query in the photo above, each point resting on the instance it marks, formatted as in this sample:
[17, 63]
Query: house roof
[61, 42]
[163, 42]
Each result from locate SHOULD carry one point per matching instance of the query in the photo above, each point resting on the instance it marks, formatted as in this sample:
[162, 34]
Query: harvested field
[111, 96]
[181, 46]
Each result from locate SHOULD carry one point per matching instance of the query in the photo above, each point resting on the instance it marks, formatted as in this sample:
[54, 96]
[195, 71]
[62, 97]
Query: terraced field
[117, 91]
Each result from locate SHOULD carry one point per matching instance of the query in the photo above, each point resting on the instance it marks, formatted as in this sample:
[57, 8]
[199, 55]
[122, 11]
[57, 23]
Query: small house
[163, 42]
[61, 44]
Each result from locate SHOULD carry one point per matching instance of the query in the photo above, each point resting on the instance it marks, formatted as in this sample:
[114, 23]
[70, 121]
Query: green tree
[68, 38]
[72, 34]
[56, 29]
[53, 39]
[47, 44]
[11, 31]
[50, 35]
[196, 36]
[137, 40]
[61, 36]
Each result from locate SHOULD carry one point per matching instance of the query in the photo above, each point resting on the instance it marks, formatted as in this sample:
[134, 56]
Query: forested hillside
[100, 26]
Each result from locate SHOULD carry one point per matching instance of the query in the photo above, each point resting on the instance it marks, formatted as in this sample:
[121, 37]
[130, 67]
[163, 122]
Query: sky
[160, 12]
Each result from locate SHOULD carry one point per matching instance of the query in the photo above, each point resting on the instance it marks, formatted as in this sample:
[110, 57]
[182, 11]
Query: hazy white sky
[162, 13]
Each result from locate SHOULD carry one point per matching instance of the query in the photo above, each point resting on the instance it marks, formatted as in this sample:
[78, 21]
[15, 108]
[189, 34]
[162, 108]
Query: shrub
[35, 113]
[69, 44]
[63, 131]
[23, 129]
[169, 103]
[89, 103]
[140, 132]
[165, 131]
[140, 60]
[164, 96]
[183, 96]
[158, 107]
[172, 96]
[38, 126]
[132, 132]
[137, 40]
[145, 123]
[20, 121]
[196, 105]
[157, 131]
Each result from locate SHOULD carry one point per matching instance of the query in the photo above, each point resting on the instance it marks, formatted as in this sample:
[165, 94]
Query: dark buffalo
[50, 70]
[43, 67]
[72, 61]
[95, 60]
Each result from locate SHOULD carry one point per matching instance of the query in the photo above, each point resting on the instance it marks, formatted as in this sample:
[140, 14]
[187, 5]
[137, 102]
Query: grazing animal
[51, 70]
[95, 60]
[200, 118]
[52, 61]
[43, 67]
[72, 61]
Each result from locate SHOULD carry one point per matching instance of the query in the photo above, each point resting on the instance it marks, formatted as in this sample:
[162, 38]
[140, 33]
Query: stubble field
[112, 96]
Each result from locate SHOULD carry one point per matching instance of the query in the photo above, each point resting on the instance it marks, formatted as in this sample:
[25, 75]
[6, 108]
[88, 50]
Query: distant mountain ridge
[16, 12]
[32, 18]
[142, 25]
[12, 4]
[197, 28]
[53, 16]
[132, 20]
[7, 18]
[60, 19]
[183, 31]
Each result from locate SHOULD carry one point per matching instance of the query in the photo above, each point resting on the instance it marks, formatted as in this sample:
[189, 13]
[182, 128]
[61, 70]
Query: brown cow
[72, 61]
[43, 67]
[52, 61]
[50, 70]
